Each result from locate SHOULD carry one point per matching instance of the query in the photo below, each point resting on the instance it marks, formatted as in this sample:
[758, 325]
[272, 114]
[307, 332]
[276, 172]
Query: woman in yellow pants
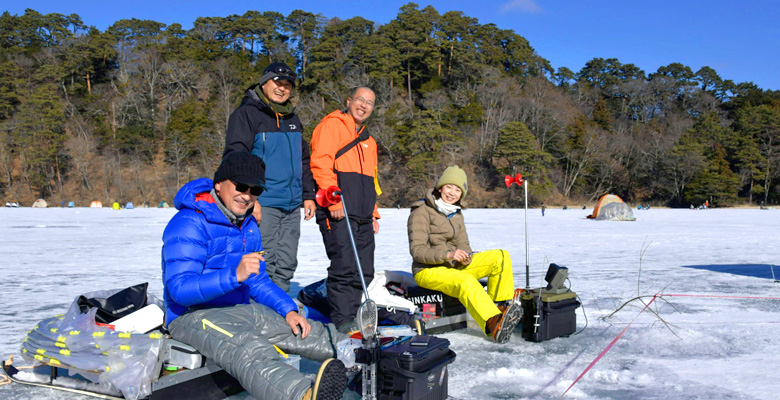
[443, 259]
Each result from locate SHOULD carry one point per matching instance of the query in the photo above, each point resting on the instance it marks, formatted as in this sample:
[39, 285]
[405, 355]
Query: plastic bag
[345, 351]
[132, 371]
[127, 362]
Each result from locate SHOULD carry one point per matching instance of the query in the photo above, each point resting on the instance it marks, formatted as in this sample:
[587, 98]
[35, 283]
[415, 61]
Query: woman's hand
[460, 256]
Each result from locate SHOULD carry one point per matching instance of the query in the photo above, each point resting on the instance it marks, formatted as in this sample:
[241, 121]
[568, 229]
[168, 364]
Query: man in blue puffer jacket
[212, 265]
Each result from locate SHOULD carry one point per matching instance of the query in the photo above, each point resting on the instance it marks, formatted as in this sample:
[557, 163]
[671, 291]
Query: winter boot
[330, 383]
[507, 321]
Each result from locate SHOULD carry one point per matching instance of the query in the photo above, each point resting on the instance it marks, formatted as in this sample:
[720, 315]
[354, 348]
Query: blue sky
[739, 39]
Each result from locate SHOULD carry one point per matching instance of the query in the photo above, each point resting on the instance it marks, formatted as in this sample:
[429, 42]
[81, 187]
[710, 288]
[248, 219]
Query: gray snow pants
[240, 339]
[281, 231]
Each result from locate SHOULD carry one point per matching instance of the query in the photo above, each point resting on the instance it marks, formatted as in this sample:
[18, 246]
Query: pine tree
[40, 135]
[716, 181]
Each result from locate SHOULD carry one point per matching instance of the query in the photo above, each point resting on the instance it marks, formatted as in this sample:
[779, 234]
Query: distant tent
[116, 206]
[612, 208]
[40, 203]
[163, 204]
[129, 205]
[96, 204]
[71, 204]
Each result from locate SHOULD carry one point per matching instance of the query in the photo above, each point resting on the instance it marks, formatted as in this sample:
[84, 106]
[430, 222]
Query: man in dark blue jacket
[212, 265]
[265, 124]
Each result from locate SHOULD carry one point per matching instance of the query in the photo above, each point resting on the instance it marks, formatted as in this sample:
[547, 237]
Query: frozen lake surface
[720, 342]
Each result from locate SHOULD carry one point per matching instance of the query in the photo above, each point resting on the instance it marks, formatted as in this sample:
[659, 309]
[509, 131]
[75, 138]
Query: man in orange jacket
[344, 155]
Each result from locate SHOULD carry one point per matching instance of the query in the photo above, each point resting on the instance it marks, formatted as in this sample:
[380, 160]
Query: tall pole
[527, 268]
[354, 246]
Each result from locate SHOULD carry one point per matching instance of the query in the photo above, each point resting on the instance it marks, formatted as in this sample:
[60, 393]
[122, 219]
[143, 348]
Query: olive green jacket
[432, 235]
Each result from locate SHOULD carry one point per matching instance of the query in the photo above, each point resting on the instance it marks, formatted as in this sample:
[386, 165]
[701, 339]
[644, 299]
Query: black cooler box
[557, 317]
[441, 313]
[414, 369]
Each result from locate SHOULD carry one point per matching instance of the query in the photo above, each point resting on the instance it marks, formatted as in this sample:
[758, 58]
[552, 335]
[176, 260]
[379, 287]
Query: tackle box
[557, 317]
[414, 369]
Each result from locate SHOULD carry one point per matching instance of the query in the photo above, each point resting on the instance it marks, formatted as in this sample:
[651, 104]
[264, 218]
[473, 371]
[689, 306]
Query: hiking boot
[330, 383]
[509, 320]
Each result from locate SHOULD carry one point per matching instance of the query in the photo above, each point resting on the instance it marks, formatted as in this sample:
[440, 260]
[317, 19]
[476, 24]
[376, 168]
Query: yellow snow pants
[462, 283]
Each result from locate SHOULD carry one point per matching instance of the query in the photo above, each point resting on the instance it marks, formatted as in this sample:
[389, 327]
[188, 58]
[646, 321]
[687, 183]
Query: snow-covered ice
[723, 347]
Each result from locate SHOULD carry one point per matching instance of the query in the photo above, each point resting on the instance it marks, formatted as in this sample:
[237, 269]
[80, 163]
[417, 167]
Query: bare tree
[140, 178]
[545, 110]
[176, 152]
[150, 70]
[226, 87]
[209, 151]
[111, 173]
[309, 108]
[178, 83]
[499, 107]
[437, 101]
[578, 159]
[82, 151]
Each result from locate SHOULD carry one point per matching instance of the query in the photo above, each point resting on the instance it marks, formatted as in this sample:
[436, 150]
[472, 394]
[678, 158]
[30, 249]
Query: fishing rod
[367, 318]
[518, 179]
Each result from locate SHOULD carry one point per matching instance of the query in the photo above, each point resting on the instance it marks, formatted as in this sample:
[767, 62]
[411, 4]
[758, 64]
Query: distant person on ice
[543, 208]
[212, 266]
[442, 258]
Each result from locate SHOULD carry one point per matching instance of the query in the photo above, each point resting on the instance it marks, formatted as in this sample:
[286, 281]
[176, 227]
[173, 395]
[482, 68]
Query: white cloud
[528, 6]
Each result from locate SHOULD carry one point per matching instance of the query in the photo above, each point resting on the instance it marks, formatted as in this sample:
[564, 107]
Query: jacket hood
[427, 200]
[195, 196]
[251, 98]
[343, 118]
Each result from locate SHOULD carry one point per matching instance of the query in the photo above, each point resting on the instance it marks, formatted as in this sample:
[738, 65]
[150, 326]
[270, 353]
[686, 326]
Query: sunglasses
[283, 71]
[253, 190]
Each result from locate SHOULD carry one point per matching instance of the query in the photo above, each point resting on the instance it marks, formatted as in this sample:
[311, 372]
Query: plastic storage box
[415, 369]
[557, 317]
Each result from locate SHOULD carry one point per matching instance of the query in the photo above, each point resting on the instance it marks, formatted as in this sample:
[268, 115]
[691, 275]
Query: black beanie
[241, 167]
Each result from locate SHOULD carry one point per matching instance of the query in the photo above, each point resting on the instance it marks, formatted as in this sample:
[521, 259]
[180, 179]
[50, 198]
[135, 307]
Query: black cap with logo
[276, 71]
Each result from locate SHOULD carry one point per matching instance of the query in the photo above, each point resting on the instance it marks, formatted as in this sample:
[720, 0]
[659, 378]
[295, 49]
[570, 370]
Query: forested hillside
[133, 112]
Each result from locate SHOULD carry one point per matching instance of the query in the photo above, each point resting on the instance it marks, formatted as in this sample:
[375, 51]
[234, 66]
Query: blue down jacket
[201, 252]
